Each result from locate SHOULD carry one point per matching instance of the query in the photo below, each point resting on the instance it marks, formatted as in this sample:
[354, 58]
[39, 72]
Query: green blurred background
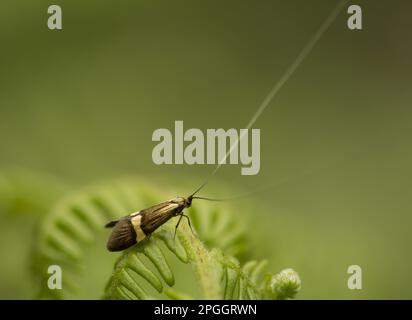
[80, 105]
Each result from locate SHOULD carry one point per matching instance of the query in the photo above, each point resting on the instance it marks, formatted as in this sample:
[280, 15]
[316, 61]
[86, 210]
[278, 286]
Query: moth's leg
[177, 224]
[188, 220]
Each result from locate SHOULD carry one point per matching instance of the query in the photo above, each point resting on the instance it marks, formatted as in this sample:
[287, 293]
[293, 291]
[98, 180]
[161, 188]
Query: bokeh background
[80, 105]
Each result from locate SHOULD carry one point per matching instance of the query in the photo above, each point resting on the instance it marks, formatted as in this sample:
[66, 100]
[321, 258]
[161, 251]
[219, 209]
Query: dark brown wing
[111, 224]
[154, 217]
[123, 235]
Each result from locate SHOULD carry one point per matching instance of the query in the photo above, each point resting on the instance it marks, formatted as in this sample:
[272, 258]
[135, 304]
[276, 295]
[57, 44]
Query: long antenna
[279, 84]
[271, 186]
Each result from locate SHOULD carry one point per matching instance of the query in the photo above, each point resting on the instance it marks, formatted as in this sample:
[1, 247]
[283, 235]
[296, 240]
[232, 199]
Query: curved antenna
[200, 188]
[280, 83]
[271, 186]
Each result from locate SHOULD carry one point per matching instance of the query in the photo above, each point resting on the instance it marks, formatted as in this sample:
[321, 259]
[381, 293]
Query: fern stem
[205, 267]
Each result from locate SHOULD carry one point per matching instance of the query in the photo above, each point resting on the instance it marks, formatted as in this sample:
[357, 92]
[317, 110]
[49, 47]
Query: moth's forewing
[154, 217]
[111, 224]
[123, 235]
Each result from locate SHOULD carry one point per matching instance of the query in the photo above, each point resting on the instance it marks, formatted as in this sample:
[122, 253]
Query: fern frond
[125, 281]
[219, 229]
[148, 269]
[219, 276]
[69, 229]
[75, 223]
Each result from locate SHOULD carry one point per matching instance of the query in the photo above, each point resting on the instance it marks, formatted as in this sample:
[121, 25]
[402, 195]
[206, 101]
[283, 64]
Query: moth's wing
[123, 235]
[154, 217]
[111, 224]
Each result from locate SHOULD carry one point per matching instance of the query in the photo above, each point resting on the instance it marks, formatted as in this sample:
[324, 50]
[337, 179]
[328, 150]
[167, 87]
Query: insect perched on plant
[137, 226]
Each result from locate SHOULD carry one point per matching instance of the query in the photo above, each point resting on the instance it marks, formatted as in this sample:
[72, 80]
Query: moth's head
[182, 201]
[189, 201]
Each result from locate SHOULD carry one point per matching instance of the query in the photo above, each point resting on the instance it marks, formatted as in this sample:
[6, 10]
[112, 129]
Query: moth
[138, 226]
